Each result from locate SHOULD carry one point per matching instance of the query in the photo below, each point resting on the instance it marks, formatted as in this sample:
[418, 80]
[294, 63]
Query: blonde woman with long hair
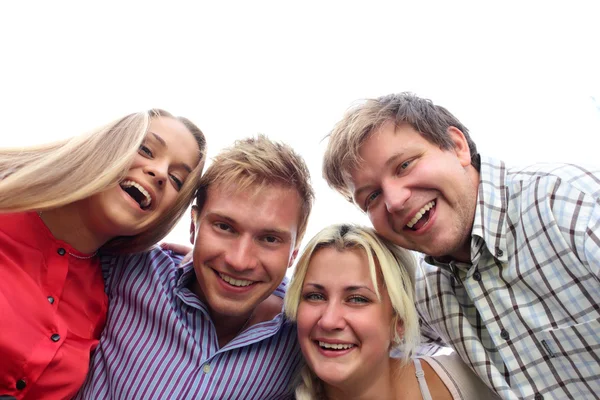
[352, 298]
[118, 189]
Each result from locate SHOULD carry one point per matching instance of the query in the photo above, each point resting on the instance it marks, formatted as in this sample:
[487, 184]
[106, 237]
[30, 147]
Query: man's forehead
[266, 207]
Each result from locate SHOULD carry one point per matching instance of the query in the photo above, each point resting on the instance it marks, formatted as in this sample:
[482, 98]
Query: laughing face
[344, 330]
[417, 195]
[152, 184]
[245, 241]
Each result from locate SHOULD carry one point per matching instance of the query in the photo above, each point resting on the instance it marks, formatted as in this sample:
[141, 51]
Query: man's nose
[241, 255]
[395, 196]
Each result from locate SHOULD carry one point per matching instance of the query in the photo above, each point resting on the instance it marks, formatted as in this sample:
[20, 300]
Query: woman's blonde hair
[53, 175]
[396, 267]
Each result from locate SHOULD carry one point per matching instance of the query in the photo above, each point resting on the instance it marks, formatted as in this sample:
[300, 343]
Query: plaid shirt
[525, 312]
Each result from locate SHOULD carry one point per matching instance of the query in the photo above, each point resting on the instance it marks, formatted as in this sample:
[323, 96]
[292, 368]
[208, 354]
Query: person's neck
[227, 327]
[378, 385]
[463, 252]
[67, 223]
[462, 255]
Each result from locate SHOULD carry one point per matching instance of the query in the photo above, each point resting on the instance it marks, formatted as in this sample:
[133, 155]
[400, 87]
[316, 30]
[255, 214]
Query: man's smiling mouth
[421, 217]
[235, 282]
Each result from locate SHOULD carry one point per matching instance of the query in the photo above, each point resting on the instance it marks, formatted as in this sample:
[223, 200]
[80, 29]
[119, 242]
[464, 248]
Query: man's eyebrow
[393, 159]
[221, 216]
[278, 232]
[160, 140]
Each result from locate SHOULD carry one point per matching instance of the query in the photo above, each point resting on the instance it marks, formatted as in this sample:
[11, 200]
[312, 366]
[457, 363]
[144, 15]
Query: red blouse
[52, 311]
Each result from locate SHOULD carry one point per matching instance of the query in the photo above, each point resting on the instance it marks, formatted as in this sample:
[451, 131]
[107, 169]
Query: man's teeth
[148, 199]
[420, 214]
[235, 282]
[338, 346]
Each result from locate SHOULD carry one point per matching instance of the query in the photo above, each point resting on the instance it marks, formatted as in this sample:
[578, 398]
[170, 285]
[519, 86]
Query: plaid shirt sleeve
[592, 241]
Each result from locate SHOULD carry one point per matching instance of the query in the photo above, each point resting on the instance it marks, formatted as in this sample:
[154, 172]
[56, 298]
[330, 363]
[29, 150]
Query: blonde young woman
[118, 189]
[351, 296]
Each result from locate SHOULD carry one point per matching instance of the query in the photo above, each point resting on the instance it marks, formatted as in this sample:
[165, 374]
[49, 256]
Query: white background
[521, 75]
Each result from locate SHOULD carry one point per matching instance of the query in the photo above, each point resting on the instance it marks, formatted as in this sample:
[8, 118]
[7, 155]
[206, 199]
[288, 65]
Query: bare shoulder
[437, 387]
[459, 381]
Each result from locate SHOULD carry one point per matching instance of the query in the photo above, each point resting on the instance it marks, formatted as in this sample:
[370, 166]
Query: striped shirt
[525, 312]
[160, 343]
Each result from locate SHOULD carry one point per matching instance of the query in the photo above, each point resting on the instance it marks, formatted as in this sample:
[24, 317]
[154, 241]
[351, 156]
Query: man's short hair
[256, 162]
[362, 120]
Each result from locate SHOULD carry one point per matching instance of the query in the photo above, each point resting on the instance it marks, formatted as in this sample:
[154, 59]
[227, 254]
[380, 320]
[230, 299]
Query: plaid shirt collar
[489, 224]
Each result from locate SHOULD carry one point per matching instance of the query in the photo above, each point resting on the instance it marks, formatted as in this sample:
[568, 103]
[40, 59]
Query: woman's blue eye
[358, 299]
[146, 150]
[313, 296]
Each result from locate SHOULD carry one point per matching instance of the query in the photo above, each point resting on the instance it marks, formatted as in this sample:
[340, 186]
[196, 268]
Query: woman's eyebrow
[159, 139]
[164, 144]
[352, 288]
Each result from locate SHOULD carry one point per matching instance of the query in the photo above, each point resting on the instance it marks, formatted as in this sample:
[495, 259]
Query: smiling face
[344, 330]
[152, 184]
[245, 241]
[415, 194]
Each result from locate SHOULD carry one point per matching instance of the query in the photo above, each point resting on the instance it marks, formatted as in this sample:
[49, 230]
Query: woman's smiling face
[344, 329]
[152, 184]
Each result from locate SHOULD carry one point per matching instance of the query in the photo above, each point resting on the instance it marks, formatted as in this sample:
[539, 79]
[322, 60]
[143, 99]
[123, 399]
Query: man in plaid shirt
[510, 274]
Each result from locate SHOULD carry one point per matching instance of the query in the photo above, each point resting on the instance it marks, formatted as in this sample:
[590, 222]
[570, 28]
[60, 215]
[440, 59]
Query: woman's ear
[398, 326]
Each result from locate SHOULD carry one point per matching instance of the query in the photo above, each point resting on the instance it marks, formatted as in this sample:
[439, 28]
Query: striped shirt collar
[184, 276]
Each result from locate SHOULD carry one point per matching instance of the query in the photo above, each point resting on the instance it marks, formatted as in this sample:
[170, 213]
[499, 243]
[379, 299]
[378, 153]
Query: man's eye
[224, 227]
[271, 239]
[371, 197]
[404, 165]
[146, 151]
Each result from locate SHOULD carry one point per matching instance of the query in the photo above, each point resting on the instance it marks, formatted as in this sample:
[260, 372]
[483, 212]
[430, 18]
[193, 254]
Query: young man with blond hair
[510, 274]
[212, 328]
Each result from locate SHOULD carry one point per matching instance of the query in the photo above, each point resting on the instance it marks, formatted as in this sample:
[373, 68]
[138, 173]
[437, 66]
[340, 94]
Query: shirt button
[55, 337]
[499, 252]
[61, 251]
[538, 397]
[50, 299]
[21, 384]
[477, 276]
[504, 334]
[206, 368]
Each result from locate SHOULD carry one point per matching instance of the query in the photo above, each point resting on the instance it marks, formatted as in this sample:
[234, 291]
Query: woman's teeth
[333, 346]
[420, 214]
[144, 199]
